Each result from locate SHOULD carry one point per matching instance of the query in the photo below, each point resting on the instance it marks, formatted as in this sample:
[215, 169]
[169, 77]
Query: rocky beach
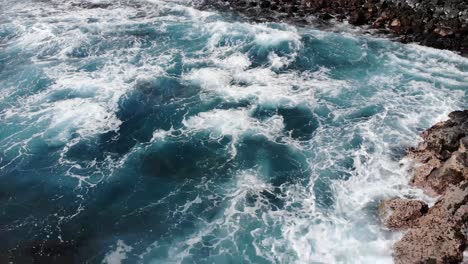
[435, 23]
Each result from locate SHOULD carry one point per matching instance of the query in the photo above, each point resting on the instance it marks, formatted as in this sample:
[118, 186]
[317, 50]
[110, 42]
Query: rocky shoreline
[434, 23]
[436, 234]
[432, 235]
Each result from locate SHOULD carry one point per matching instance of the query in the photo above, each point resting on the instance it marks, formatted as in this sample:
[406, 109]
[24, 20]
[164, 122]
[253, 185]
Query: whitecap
[119, 254]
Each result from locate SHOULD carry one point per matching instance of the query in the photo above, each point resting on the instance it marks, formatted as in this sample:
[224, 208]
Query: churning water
[153, 132]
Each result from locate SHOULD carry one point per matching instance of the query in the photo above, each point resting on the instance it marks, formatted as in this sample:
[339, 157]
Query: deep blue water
[152, 132]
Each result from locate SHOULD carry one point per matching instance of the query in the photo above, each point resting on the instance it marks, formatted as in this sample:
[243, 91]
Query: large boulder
[401, 213]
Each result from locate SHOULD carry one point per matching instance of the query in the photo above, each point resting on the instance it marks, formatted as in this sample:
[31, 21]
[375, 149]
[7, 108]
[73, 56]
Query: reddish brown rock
[401, 213]
[442, 156]
[437, 237]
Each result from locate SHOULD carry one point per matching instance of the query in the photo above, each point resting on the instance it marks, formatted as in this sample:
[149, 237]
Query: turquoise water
[152, 132]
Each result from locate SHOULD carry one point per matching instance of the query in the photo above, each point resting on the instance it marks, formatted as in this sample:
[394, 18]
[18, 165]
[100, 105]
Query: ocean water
[153, 132]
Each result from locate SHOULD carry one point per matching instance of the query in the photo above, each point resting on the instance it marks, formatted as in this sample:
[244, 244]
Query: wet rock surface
[442, 157]
[436, 235]
[401, 213]
[439, 24]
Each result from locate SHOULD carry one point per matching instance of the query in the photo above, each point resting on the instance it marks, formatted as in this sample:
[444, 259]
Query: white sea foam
[237, 62]
[267, 37]
[278, 62]
[119, 254]
[264, 85]
[80, 116]
[209, 78]
[234, 123]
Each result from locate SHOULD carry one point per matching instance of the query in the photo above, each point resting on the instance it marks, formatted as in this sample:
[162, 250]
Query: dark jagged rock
[437, 236]
[439, 24]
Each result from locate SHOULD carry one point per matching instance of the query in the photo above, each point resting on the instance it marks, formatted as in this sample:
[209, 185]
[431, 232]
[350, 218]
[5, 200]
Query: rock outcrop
[401, 213]
[435, 23]
[437, 234]
[442, 155]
